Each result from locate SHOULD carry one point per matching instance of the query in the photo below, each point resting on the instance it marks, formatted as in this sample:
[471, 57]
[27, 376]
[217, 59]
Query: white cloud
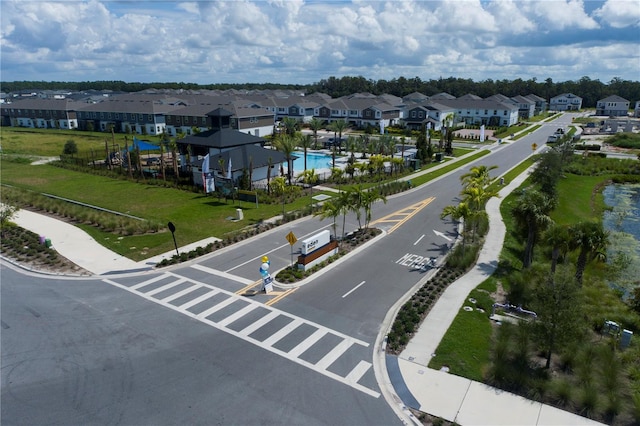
[620, 13]
[305, 41]
[563, 14]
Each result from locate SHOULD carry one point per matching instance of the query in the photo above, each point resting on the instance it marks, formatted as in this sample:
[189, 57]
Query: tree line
[588, 89]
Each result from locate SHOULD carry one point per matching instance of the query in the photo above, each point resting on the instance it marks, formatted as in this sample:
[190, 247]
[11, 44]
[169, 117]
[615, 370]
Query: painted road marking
[166, 287]
[247, 306]
[217, 307]
[401, 216]
[149, 281]
[418, 240]
[221, 274]
[197, 300]
[307, 343]
[280, 297]
[278, 335]
[334, 354]
[415, 261]
[180, 293]
[237, 315]
[352, 290]
[249, 287]
[258, 324]
[357, 373]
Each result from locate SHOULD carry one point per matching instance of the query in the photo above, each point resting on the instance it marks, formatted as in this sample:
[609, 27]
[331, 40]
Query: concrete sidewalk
[452, 397]
[79, 247]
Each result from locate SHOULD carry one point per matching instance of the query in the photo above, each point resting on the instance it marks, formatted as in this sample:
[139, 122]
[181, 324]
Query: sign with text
[315, 242]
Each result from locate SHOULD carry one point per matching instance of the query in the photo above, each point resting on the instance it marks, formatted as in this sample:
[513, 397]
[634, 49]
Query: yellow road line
[424, 204]
[249, 287]
[407, 213]
[280, 297]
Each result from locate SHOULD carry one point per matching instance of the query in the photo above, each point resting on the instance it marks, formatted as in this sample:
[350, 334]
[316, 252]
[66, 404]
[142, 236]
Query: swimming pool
[315, 160]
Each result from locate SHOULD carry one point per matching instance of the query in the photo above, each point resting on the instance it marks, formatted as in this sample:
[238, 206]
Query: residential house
[429, 114]
[526, 106]
[37, 112]
[541, 103]
[231, 153]
[142, 114]
[636, 110]
[565, 102]
[483, 111]
[613, 106]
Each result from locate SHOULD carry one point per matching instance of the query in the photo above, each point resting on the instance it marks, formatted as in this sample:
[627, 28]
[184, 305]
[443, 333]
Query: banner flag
[229, 175]
[205, 171]
[482, 133]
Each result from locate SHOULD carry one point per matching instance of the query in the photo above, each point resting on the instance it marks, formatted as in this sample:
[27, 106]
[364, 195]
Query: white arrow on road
[441, 234]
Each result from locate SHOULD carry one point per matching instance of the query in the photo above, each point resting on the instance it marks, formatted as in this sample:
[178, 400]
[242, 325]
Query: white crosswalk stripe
[291, 326]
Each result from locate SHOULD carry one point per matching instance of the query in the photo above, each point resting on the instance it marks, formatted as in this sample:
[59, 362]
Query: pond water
[623, 223]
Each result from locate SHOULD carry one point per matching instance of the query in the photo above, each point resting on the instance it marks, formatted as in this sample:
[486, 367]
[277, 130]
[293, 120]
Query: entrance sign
[315, 242]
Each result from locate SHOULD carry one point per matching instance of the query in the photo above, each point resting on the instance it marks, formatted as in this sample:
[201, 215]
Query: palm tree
[557, 236]
[336, 174]
[173, 146]
[351, 144]
[532, 216]
[315, 124]
[459, 213]
[478, 175]
[343, 200]
[305, 143]
[162, 164]
[377, 163]
[290, 126]
[269, 166]
[287, 145]
[338, 127]
[330, 209]
[356, 199]
[592, 240]
[370, 197]
[309, 177]
[397, 164]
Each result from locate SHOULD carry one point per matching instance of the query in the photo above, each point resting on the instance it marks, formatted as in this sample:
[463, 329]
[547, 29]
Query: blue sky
[297, 41]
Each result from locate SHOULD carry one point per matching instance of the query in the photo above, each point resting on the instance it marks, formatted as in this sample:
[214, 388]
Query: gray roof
[613, 98]
[221, 139]
[244, 156]
[45, 104]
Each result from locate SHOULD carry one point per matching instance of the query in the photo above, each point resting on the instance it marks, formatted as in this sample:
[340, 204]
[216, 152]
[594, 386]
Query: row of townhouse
[257, 112]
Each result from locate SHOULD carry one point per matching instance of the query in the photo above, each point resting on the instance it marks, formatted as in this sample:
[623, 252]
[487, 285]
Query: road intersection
[328, 325]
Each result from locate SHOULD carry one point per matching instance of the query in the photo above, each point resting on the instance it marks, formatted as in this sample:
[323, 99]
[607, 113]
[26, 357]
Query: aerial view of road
[193, 344]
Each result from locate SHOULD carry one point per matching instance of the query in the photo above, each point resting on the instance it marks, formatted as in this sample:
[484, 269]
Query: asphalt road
[182, 345]
[80, 352]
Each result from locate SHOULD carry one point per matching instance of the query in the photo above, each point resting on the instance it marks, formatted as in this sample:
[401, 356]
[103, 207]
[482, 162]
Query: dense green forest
[590, 90]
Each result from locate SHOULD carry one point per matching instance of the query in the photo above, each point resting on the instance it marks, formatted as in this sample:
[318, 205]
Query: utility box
[239, 214]
[438, 156]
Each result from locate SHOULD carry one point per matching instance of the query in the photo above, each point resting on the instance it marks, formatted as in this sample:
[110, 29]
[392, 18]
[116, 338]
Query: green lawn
[578, 202]
[49, 143]
[465, 349]
[195, 215]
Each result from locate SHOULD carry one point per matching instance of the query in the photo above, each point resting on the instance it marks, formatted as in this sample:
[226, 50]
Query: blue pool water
[314, 161]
